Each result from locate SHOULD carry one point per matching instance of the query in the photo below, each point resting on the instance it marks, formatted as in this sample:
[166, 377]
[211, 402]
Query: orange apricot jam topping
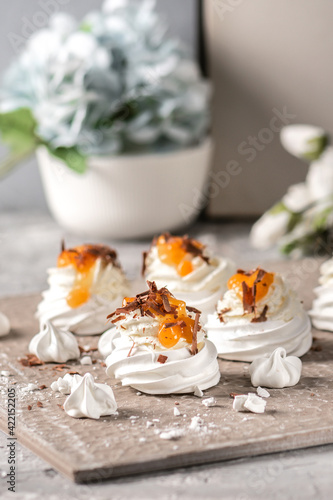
[178, 252]
[174, 322]
[262, 283]
[83, 259]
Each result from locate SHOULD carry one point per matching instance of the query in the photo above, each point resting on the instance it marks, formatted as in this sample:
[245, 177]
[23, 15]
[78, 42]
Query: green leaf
[72, 157]
[17, 130]
[278, 208]
[318, 145]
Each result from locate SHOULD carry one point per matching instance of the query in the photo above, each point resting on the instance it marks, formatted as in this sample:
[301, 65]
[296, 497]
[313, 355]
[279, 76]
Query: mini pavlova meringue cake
[257, 314]
[160, 347]
[322, 307]
[186, 267]
[86, 283]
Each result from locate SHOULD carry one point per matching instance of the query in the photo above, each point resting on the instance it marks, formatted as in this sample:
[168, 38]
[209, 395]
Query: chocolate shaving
[248, 298]
[190, 246]
[144, 257]
[62, 246]
[162, 359]
[234, 394]
[29, 407]
[103, 364]
[194, 347]
[31, 360]
[166, 303]
[224, 311]
[89, 349]
[119, 318]
[131, 349]
[73, 372]
[41, 387]
[39, 404]
[193, 309]
[180, 323]
[60, 406]
[262, 317]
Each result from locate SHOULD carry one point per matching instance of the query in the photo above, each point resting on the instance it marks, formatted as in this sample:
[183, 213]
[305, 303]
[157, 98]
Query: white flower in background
[112, 83]
[303, 141]
[303, 220]
[269, 229]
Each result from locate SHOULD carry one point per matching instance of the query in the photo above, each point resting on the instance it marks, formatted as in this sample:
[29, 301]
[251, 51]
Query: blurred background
[269, 62]
[22, 189]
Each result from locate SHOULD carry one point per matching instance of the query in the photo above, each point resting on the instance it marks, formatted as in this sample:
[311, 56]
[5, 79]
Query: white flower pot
[127, 196]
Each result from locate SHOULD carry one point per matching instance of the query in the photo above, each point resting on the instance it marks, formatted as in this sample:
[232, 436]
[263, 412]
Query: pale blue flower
[110, 84]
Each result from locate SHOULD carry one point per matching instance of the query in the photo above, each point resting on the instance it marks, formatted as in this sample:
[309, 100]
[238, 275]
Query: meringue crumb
[30, 387]
[198, 392]
[156, 419]
[262, 392]
[5, 373]
[176, 412]
[86, 360]
[139, 393]
[149, 424]
[172, 434]
[142, 440]
[250, 402]
[196, 423]
[209, 402]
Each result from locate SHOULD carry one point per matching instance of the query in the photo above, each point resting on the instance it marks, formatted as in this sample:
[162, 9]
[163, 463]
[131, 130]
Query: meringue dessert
[160, 346]
[86, 283]
[4, 325]
[90, 400]
[276, 370]
[53, 345]
[322, 307]
[257, 314]
[188, 270]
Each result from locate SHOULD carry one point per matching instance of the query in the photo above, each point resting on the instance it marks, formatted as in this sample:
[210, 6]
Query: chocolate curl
[262, 316]
[62, 246]
[143, 268]
[194, 347]
[248, 298]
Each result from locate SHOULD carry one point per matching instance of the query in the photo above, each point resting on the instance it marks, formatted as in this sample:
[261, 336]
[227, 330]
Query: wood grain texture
[88, 450]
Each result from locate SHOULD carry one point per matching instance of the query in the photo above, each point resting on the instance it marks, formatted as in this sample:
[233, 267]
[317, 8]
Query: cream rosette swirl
[86, 283]
[258, 314]
[160, 346]
[188, 270]
[322, 307]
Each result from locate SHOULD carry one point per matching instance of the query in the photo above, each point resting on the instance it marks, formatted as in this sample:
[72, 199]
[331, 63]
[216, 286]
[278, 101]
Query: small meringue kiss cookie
[105, 342]
[4, 325]
[53, 345]
[90, 400]
[87, 282]
[188, 270]
[276, 370]
[160, 346]
[257, 314]
[322, 308]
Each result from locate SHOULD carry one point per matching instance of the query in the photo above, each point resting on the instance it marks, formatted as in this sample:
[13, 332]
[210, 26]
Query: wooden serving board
[130, 442]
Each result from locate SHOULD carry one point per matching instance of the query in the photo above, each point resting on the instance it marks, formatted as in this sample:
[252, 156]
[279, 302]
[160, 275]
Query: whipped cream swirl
[201, 288]
[90, 400]
[109, 286]
[53, 345]
[276, 370]
[286, 325]
[322, 307]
